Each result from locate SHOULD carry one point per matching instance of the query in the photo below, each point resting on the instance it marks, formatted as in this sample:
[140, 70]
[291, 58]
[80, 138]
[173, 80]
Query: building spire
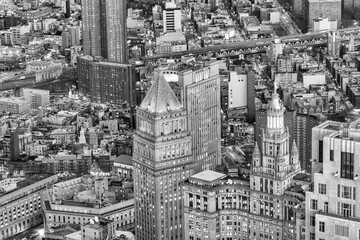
[294, 149]
[256, 152]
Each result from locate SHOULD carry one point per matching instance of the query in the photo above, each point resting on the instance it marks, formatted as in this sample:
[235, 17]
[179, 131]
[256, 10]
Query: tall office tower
[303, 129]
[91, 27]
[104, 29]
[106, 81]
[171, 18]
[251, 108]
[262, 206]
[162, 160]
[323, 9]
[332, 206]
[201, 96]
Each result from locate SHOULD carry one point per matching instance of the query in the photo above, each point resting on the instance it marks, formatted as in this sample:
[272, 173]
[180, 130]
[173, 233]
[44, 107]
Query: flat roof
[208, 175]
[124, 159]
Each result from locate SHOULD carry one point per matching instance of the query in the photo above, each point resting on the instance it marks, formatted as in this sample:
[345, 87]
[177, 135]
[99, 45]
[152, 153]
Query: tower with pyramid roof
[162, 160]
[274, 167]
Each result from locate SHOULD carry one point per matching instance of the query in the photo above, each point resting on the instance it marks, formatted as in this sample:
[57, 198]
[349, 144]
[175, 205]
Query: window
[313, 204]
[312, 236]
[341, 231]
[322, 226]
[331, 155]
[345, 209]
[312, 220]
[347, 165]
[326, 207]
[321, 151]
[322, 188]
[346, 192]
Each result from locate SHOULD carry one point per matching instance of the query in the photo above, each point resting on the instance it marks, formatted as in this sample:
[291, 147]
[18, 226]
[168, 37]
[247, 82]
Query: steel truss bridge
[261, 45]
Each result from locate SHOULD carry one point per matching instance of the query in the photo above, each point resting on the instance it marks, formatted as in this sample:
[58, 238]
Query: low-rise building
[80, 200]
[63, 136]
[21, 209]
[15, 105]
[37, 97]
[123, 166]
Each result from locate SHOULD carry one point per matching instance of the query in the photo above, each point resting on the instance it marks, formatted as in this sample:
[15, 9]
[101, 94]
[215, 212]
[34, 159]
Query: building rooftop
[160, 97]
[29, 179]
[208, 175]
[124, 159]
[13, 100]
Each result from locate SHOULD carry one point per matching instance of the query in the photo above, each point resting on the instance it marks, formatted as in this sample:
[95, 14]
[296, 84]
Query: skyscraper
[162, 160]
[332, 205]
[106, 81]
[303, 128]
[104, 29]
[264, 205]
[104, 75]
[201, 96]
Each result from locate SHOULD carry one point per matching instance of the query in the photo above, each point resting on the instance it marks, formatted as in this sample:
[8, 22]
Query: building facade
[104, 29]
[332, 208]
[262, 205]
[162, 159]
[37, 97]
[201, 96]
[15, 105]
[21, 208]
[171, 18]
[323, 9]
[105, 81]
[237, 90]
[303, 129]
[79, 200]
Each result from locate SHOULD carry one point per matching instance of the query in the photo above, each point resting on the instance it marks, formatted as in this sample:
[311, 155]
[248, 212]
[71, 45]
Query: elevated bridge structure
[346, 36]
